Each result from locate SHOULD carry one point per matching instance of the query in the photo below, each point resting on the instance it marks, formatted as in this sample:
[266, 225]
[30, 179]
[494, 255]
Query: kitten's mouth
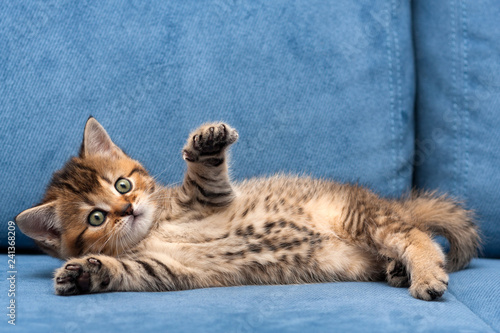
[136, 225]
[135, 216]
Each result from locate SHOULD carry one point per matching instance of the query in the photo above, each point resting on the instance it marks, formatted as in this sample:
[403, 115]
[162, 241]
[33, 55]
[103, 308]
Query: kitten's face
[100, 202]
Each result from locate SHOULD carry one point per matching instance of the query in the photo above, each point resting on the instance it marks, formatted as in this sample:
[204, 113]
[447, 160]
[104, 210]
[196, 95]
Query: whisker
[125, 253]
[124, 244]
[104, 235]
[155, 177]
[119, 251]
[171, 184]
[113, 232]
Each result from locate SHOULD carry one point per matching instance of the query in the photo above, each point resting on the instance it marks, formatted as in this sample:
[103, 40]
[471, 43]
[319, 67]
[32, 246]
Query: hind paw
[396, 274]
[429, 285]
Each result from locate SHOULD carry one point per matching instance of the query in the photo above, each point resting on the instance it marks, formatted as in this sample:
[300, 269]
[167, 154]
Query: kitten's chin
[137, 226]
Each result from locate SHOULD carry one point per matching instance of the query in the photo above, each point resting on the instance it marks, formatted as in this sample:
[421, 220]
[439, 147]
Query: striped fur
[212, 232]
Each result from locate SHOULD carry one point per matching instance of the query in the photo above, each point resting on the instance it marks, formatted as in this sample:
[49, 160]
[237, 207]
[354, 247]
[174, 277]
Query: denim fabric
[313, 86]
[479, 289]
[458, 139]
[319, 87]
[328, 307]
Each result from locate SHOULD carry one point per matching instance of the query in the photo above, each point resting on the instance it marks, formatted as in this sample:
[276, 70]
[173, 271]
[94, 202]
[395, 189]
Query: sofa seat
[471, 305]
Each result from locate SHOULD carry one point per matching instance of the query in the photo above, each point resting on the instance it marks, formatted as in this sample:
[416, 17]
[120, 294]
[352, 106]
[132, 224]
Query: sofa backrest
[321, 88]
[457, 48]
[317, 87]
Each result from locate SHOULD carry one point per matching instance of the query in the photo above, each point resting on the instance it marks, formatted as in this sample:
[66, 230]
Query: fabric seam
[466, 101]
[399, 103]
[472, 311]
[455, 61]
[392, 94]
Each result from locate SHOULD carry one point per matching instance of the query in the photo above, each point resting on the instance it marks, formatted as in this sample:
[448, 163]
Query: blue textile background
[458, 120]
[327, 307]
[316, 87]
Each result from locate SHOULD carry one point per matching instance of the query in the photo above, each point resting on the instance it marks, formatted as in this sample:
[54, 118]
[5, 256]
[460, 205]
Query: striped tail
[444, 216]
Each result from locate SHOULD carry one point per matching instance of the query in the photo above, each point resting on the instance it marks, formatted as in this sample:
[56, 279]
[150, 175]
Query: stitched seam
[477, 315]
[454, 101]
[399, 97]
[466, 99]
[392, 95]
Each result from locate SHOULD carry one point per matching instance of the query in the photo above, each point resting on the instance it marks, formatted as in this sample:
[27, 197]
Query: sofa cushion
[478, 287]
[317, 87]
[458, 119]
[342, 306]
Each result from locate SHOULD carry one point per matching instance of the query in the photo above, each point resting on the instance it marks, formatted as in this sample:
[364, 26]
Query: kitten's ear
[42, 224]
[96, 141]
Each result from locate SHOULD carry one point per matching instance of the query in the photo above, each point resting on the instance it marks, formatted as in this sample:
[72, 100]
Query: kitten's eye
[97, 217]
[123, 185]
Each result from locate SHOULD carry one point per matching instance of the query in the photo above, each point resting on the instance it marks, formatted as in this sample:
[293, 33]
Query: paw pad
[94, 261]
[435, 294]
[209, 140]
[63, 279]
[73, 267]
[82, 276]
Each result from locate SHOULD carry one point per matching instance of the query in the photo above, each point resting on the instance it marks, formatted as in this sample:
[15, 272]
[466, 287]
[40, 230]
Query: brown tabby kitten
[121, 231]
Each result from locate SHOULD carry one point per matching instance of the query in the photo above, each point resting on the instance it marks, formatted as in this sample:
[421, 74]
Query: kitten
[121, 231]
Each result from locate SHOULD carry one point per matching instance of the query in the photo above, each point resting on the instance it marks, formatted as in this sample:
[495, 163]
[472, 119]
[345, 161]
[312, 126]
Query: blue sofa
[392, 94]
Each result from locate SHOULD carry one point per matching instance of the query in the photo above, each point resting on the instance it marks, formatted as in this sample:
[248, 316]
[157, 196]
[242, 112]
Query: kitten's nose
[127, 210]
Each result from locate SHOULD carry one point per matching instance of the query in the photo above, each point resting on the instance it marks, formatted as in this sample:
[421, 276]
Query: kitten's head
[99, 202]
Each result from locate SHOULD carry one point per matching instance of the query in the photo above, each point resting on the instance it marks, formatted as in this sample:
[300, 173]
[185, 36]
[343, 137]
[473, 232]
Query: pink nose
[127, 210]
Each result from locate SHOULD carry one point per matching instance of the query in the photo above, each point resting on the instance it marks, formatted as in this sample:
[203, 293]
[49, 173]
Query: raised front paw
[209, 140]
[81, 276]
[430, 284]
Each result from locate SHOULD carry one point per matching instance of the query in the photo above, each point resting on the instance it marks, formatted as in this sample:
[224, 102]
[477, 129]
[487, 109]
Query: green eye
[97, 217]
[123, 186]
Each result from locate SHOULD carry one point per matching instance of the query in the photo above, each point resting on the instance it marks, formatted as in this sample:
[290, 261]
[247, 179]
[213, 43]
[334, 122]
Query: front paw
[429, 285]
[209, 140]
[81, 276]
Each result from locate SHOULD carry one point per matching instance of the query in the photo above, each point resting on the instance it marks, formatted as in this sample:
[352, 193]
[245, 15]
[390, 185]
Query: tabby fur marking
[120, 230]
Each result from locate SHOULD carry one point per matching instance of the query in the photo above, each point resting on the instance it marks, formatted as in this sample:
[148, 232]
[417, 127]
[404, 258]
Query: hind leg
[385, 233]
[421, 256]
[396, 274]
